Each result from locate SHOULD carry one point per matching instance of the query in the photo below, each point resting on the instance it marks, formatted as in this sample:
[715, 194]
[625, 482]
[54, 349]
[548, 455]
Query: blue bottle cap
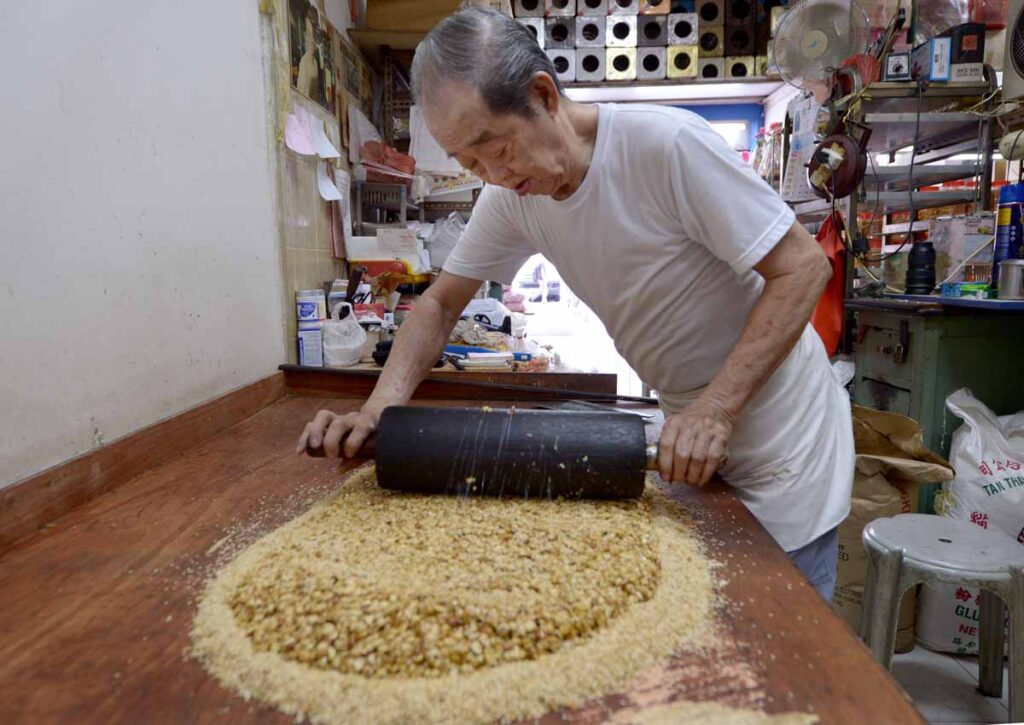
[1011, 194]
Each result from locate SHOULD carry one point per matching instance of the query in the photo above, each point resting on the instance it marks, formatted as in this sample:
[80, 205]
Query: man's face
[525, 154]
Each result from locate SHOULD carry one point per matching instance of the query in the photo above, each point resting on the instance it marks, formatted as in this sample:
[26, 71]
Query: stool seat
[939, 541]
[906, 550]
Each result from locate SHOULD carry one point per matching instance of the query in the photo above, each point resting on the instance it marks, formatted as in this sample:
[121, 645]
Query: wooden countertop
[447, 382]
[97, 607]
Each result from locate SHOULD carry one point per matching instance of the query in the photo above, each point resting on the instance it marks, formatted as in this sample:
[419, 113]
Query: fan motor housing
[815, 37]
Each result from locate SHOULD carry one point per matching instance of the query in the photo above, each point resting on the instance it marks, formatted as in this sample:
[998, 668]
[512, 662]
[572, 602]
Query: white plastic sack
[343, 339]
[488, 311]
[988, 491]
[446, 235]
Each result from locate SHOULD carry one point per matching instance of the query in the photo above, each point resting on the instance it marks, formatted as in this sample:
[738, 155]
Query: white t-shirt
[660, 240]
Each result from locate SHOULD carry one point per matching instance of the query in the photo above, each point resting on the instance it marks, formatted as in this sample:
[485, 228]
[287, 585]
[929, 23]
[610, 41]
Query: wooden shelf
[370, 42]
[673, 82]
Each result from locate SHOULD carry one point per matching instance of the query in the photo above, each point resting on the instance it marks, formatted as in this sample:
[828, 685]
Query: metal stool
[909, 549]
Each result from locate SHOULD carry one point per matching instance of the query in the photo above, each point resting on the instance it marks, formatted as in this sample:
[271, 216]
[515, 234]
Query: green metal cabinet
[910, 355]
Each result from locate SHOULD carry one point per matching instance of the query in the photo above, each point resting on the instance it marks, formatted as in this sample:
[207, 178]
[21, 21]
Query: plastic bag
[937, 16]
[343, 339]
[447, 233]
[827, 318]
[988, 491]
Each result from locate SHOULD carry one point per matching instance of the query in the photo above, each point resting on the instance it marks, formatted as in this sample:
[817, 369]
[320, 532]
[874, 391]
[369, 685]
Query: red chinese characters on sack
[986, 467]
[962, 594]
[979, 518]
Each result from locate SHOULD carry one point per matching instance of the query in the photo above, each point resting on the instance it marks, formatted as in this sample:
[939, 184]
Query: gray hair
[488, 51]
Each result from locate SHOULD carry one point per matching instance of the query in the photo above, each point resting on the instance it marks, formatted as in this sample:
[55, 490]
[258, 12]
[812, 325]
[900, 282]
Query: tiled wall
[304, 218]
[306, 221]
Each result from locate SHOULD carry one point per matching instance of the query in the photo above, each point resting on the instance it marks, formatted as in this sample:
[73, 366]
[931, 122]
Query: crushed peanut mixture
[416, 586]
[384, 607]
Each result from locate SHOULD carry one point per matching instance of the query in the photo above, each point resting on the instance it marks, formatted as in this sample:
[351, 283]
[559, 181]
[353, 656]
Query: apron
[791, 452]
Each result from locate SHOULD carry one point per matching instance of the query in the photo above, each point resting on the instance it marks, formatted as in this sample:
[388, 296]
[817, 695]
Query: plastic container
[310, 304]
[1011, 280]
[311, 348]
[1009, 228]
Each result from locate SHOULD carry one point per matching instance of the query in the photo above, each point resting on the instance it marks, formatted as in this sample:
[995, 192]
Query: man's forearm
[773, 327]
[416, 349]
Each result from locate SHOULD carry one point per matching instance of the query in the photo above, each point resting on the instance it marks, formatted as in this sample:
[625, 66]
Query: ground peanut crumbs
[385, 585]
[384, 607]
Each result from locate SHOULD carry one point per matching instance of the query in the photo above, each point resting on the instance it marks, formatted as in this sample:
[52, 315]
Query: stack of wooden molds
[629, 40]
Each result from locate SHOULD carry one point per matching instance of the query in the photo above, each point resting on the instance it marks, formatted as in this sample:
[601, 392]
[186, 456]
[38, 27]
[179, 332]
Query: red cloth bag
[828, 315]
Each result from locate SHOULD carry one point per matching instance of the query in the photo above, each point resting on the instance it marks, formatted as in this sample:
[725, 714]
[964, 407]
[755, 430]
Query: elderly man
[696, 267]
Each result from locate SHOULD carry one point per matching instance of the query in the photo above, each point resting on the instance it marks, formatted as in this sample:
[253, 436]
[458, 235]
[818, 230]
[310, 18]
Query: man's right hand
[328, 430]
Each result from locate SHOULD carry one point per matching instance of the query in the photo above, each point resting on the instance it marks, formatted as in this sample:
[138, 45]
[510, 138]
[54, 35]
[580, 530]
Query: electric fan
[814, 37]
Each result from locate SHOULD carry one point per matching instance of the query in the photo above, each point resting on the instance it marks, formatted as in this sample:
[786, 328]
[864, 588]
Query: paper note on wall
[323, 182]
[297, 136]
[429, 155]
[315, 128]
[324, 148]
[341, 181]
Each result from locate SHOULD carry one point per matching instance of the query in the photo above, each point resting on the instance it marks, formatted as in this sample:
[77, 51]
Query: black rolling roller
[509, 452]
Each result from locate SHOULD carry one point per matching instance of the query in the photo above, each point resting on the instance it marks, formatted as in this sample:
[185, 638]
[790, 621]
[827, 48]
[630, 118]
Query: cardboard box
[968, 43]
[957, 238]
[967, 73]
[311, 348]
[931, 60]
[892, 462]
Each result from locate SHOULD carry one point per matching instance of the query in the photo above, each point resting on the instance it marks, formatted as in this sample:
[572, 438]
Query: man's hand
[694, 442]
[328, 429]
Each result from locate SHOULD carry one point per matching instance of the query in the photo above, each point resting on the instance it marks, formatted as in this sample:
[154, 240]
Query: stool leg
[991, 621]
[1016, 605]
[881, 606]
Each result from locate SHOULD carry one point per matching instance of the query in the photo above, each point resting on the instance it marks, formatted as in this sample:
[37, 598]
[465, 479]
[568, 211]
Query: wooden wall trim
[341, 383]
[29, 504]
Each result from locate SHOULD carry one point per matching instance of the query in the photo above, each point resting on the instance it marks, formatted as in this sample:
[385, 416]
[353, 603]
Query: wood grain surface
[39, 499]
[348, 382]
[97, 609]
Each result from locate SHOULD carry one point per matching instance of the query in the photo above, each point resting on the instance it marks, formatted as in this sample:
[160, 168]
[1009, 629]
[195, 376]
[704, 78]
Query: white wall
[139, 262]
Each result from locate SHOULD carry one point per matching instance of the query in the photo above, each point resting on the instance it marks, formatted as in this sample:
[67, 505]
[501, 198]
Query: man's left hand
[694, 442]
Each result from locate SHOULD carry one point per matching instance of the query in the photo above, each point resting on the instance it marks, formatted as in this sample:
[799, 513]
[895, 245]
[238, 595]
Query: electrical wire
[910, 182]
